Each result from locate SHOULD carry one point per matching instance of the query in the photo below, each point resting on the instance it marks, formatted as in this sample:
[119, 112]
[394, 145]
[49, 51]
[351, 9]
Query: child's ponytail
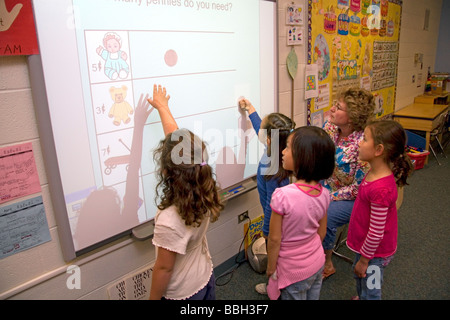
[391, 134]
[402, 167]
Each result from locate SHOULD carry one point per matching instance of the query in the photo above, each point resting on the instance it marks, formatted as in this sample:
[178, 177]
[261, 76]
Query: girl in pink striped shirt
[372, 231]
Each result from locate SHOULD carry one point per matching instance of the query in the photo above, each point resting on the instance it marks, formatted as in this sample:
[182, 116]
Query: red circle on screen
[171, 58]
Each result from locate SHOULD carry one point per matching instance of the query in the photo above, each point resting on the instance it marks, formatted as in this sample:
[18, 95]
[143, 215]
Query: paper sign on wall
[295, 36]
[17, 30]
[294, 15]
[311, 78]
[18, 172]
[134, 287]
[23, 225]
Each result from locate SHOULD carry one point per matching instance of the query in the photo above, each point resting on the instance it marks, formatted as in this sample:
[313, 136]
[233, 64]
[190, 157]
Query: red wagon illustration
[113, 162]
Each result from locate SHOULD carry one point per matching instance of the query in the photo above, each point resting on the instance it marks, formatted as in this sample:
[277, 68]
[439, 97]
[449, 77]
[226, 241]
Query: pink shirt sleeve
[378, 214]
[377, 223]
[278, 202]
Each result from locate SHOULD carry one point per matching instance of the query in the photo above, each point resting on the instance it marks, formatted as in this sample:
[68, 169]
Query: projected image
[206, 54]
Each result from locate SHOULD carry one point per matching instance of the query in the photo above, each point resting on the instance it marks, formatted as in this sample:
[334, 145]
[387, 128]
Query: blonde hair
[360, 106]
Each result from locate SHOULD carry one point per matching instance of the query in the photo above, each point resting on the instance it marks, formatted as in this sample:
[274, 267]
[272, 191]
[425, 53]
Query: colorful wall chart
[353, 43]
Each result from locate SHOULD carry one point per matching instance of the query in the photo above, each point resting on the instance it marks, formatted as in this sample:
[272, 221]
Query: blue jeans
[338, 214]
[369, 288]
[308, 289]
[207, 293]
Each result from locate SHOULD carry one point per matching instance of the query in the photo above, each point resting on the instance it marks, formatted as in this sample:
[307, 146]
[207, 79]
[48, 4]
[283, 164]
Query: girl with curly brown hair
[189, 200]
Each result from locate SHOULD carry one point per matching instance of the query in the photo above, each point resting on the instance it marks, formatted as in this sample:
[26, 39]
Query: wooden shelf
[432, 98]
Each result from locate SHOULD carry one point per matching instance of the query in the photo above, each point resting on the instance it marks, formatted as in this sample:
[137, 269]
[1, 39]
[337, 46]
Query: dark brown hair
[185, 178]
[313, 152]
[282, 127]
[392, 136]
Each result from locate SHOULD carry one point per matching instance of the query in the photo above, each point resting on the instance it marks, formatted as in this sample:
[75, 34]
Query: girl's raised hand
[246, 105]
[160, 97]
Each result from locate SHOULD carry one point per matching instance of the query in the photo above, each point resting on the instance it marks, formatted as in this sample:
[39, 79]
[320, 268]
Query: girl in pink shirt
[372, 231]
[299, 217]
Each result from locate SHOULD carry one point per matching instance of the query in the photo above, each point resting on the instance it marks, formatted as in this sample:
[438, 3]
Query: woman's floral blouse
[349, 170]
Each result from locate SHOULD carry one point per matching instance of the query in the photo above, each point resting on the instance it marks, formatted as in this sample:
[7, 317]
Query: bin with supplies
[416, 149]
[418, 158]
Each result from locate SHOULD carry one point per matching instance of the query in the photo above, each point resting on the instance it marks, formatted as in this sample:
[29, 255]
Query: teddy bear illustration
[121, 109]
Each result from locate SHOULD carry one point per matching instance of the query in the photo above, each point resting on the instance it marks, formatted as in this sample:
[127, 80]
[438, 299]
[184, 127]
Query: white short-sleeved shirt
[193, 265]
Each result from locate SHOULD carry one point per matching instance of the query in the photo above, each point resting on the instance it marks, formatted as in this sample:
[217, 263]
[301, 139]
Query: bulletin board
[353, 43]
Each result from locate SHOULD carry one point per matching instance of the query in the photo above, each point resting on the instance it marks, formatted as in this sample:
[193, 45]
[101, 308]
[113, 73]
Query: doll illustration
[120, 109]
[115, 59]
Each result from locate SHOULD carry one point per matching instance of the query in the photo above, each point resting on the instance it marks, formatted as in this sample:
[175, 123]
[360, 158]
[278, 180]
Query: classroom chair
[438, 131]
[340, 242]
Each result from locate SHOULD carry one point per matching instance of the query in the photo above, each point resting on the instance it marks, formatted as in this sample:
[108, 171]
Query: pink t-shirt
[301, 254]
[372, 230]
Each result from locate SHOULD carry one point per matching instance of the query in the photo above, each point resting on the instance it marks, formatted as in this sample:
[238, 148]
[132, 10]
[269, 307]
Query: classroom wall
[41, 273]
[286, 85]
[413, 39]
[442, 60]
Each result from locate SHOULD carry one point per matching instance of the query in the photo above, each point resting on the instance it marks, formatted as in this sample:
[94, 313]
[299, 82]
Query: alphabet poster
[354, 43]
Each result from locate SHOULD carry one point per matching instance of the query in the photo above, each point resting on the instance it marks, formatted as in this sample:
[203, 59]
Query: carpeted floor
[419, 269]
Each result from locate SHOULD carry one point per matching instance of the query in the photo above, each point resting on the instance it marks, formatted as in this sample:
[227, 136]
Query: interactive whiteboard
[99, 57]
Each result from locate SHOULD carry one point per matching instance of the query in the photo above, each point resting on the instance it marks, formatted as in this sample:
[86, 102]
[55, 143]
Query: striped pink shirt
[372, 230]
